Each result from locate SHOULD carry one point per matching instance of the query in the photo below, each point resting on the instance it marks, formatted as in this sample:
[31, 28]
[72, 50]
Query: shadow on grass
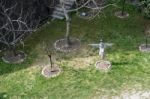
[120, 63]
[3, 95]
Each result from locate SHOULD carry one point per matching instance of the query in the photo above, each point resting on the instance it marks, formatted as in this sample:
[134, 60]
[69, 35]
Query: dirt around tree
[9, 57]
[49, 72]
[60, 45]
[119, 14]
[144, 48]
[103, 65]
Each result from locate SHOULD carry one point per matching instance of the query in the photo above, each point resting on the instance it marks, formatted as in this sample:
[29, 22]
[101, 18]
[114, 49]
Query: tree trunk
[51, 63]
[68, 20]
[146, 41]
[67, 32]
[123, 7]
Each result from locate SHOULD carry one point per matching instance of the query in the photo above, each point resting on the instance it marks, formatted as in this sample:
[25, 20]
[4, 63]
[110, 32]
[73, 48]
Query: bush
[145, 8]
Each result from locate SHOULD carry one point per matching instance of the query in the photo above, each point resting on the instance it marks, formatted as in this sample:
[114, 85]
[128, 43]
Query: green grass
[130, 68]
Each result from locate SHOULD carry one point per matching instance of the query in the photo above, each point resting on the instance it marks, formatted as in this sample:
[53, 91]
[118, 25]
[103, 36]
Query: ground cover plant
[80, 80]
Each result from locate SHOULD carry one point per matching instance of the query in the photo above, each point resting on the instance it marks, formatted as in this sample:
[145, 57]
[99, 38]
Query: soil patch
[60, 45]
[120, 15]
[103, 65]
[9, 57]
[144, 48]
[49, 72]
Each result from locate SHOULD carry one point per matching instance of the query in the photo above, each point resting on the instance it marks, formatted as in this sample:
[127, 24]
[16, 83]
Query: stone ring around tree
[60, 45]
[9, 57]
[121, 15]
[103, 65]
[144, 47]
[49, 72]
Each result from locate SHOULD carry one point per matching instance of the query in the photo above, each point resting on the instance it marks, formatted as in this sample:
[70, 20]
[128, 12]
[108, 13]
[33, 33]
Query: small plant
[122, 13]
[52, 70]
[49, 53]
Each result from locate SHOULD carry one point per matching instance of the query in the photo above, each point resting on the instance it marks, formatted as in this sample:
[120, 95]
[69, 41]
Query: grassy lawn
[79, 79]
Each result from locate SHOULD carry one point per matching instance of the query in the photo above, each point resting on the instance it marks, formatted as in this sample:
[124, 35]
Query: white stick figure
[101, 47]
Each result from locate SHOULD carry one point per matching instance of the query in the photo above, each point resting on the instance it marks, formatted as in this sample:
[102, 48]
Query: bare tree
[15, 25]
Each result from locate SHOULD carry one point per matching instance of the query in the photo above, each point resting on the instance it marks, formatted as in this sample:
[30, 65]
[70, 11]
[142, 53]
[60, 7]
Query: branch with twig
[15, 25]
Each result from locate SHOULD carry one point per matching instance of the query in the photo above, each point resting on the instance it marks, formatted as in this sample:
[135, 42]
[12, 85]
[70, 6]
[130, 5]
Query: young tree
[122, 13]
[123, 7]
[53, 69]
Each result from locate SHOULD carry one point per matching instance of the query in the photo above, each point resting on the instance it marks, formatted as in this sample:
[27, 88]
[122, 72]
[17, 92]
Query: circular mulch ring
[86, 15]
[119, 14]
[60, 45]
[10, 58]
[49, 72]
[103, 65]
[143, 48]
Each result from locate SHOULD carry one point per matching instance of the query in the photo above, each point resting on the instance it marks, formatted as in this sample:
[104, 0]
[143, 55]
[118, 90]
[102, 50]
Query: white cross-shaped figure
[101, 47]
